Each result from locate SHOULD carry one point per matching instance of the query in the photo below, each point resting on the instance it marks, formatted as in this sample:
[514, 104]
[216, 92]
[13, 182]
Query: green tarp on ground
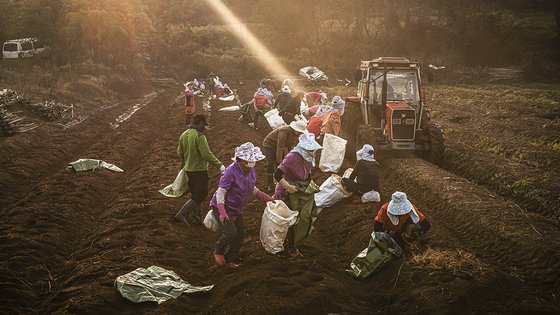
[154, 284]
[381, 251]
[302, 201]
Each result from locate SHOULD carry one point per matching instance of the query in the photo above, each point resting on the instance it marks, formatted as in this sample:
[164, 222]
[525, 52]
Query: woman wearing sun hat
[296, 167]
[277, 144]
[236, 186]
[366, 173]
[401, 219]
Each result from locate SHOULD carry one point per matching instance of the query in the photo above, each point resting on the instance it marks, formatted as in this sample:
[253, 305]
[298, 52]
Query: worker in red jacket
[402, 220]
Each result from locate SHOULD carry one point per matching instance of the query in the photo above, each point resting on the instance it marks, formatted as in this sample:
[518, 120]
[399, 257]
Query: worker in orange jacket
[402, 220]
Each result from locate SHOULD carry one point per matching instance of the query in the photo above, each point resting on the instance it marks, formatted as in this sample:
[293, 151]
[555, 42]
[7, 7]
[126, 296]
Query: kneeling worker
[366, 173]
[402, 220]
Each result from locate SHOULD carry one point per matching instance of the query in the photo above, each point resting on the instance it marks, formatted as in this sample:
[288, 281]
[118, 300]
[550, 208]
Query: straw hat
[248, 152]
[399, 205]
[299, 126]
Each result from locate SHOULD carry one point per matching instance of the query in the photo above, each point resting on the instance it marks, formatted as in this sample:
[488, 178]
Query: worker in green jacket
[195, 156]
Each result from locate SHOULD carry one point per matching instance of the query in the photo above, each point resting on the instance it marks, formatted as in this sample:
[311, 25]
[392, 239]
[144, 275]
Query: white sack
[232, 108]
[348, 172]
[227, 98]
[371, 196]
[330, 192]
[274, 119]
[210, 221]
[332, 155]
[179, 186]
[276, 220]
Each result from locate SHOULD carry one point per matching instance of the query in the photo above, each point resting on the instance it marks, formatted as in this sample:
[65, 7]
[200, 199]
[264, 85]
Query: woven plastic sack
[274, 119]
[371, 196]
[381, 251]
[276, 220]
[330, 192]
[332, 155]
[179, 186]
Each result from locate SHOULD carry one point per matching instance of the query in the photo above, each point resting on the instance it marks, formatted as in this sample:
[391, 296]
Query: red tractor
[392, 108]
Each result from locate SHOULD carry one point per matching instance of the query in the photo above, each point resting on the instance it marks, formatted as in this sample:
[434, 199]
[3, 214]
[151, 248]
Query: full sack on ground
[276, 220]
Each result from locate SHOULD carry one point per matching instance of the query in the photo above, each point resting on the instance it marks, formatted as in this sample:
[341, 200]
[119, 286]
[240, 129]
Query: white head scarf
[365, 153]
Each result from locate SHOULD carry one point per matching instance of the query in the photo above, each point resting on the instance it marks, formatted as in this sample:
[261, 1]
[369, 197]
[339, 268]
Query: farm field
[494, 246]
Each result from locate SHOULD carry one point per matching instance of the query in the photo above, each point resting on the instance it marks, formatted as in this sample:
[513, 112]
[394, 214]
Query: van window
[26, 46]
[38, 44]
[10, 47]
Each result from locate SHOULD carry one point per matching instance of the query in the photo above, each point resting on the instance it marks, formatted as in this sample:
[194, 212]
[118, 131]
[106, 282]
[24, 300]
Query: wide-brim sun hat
[398, 206]
[299, 126]
[308, 143]
[322, 110]
[248, 152]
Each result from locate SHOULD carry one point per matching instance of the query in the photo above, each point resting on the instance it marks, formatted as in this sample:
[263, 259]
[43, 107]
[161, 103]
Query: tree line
[174, 35]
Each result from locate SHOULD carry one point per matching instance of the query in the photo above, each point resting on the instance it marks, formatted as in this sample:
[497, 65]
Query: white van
[22, 48]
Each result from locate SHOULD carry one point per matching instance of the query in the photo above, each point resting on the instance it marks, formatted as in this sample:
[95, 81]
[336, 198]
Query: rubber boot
[187, 208]
[197, 214]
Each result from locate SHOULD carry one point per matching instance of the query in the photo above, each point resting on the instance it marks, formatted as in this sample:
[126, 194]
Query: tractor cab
[392, 107]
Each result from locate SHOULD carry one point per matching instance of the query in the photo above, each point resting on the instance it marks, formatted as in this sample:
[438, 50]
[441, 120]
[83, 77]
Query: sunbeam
[267, 59]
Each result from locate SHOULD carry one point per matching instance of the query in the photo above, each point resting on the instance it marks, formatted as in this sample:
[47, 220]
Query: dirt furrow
[62, 210]
[498, 231]
[503, 137]
[44, 151]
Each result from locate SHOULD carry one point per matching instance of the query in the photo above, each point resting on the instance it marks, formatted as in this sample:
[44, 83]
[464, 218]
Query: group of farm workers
[290, 152]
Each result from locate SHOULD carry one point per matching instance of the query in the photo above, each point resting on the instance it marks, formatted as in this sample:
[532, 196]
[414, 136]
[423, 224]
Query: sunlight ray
[266, 58]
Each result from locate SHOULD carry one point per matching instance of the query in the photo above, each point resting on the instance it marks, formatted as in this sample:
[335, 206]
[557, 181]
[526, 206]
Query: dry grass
[458, 262]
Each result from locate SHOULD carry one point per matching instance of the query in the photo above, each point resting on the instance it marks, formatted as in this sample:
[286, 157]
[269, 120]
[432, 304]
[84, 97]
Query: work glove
[287, 186]
[222, 168]
[223, 214]
[412, 232]
[263, 196]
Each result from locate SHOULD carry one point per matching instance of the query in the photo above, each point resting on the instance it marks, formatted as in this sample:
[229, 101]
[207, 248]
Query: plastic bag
[330, 192]
[91, 164]
[154, 284]
[371, 196]
[210, 221]
[179, 186]
[333, 153]
[381, 251]
[274, 119]
[276, 220]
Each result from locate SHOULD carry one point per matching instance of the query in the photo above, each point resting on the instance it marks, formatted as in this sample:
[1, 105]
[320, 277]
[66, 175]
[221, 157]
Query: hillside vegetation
[136, 37]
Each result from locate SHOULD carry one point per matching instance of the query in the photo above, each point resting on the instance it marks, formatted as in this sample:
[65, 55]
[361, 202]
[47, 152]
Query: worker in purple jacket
[236, 186]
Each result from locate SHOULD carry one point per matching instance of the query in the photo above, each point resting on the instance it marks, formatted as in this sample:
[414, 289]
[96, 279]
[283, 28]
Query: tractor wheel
[436, 149]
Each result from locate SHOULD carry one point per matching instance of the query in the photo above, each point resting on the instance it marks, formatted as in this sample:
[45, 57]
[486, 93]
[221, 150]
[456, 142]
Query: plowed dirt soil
[66, 236]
